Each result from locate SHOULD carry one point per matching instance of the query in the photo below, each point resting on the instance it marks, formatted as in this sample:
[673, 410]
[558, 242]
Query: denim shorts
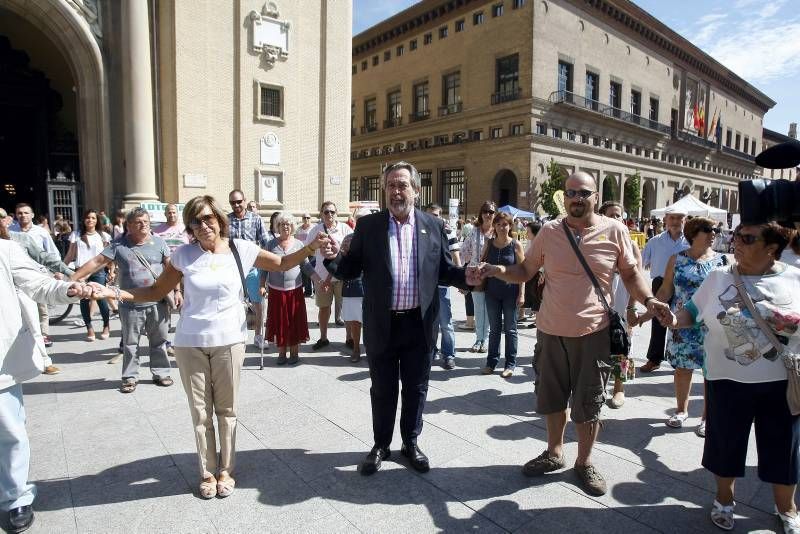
[732, 408]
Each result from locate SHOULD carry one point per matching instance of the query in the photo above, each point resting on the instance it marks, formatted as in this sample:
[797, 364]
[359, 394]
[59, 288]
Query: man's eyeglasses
[747, 239]
[205, 219]
[329, 212]
[236, 202]
[583, 193]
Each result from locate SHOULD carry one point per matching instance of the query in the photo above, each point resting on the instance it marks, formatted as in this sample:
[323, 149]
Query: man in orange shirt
[572, 358]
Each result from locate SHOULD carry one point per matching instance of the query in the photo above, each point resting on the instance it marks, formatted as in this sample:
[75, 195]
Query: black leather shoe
[372, 462]
[416, 457]
[20, 519]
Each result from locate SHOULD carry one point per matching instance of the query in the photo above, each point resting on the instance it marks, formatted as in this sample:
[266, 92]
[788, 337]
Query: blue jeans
[15, 452]
[100, 278]
[448, 349]
[502, 318]
[481, 319]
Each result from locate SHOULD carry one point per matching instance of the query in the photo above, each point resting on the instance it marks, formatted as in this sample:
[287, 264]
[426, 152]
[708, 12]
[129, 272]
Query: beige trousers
[210, 377]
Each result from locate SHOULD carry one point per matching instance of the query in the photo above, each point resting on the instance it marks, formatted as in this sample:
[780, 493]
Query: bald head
[581, 180]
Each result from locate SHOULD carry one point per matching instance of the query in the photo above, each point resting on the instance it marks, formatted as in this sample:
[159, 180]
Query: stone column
[137, 104]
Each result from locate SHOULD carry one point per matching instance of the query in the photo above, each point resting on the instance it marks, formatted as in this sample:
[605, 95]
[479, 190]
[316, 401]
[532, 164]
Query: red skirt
[287, 322]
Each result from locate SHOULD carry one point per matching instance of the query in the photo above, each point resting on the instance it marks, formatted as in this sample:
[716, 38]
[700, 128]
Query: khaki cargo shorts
[572, 371]
[324, 300]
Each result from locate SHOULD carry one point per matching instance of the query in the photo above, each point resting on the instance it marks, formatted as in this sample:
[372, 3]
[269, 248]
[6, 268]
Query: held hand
[58, 276]
[488, 270]
[472, 275]
[632, 318]
[660, 311]
[320, 241]
[178, 300]
[80, 290]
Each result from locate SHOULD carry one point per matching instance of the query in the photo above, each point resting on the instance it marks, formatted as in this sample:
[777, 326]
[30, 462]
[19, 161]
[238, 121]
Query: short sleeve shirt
[94, 245]
[131, 272]
[337, 234]
[736, 348]
[570, 305]
[212, 314]
[174, 236]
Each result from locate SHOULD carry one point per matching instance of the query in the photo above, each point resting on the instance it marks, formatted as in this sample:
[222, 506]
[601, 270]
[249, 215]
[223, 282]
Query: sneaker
[47, 341]
[322, 342]
[258, 341]
[791, 523]
[464, 327]
[51, 370]
[544, 463]
[474, 347]
[481, 347]
[592, 481]
[115, 359]
[339, 322]
[449, 363]
[508, 372]
[701, 429]
[487, 371]
[677, 419]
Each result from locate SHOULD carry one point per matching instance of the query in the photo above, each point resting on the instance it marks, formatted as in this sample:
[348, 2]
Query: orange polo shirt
[570, 305]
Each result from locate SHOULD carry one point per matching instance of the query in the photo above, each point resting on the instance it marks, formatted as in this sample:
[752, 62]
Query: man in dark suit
[402, 254]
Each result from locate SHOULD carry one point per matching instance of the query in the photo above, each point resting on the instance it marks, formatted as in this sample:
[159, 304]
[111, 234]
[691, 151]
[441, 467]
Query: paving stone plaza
[108, 462]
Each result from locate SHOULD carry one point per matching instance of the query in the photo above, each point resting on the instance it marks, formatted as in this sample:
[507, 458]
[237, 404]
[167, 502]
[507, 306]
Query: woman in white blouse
[210, 335]
[84, 245]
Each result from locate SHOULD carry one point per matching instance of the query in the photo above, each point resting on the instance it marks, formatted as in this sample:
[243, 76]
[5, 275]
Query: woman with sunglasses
[211, 332]
[471, 251]
[684, 274]
[746, 378]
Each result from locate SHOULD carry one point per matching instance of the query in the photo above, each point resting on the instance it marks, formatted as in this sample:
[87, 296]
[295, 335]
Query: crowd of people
[385, 277]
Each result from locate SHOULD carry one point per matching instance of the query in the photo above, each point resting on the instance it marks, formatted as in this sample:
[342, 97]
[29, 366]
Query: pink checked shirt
[403, 251]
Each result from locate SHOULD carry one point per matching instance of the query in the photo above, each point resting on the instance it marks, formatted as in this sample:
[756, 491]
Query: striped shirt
[249, 228]
[403, 252]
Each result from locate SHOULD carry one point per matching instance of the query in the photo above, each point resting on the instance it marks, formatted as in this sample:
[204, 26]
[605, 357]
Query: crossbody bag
[620, 343]
[791, 361]
[247, 303]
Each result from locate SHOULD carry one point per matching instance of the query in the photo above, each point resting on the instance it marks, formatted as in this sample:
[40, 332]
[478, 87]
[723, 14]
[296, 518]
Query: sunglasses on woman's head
[747, 239]
[583, 193]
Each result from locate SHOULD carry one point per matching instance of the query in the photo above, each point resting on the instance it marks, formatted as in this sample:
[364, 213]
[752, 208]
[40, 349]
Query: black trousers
[658, 334]
[408, 359]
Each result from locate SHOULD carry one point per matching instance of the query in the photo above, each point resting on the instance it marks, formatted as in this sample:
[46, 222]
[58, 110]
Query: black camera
[761, 201]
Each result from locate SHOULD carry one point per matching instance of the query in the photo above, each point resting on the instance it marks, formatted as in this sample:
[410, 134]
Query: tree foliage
[633, 194]
[555, 182]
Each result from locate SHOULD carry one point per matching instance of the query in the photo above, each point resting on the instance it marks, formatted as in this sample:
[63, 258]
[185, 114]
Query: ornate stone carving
[269, 36]
[90, 11]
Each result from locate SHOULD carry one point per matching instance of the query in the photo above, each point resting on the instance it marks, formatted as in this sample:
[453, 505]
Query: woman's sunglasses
[747, 239]
[488, 212]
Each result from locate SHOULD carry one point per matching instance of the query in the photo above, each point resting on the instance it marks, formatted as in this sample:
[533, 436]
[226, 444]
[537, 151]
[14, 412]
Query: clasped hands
[477, 273]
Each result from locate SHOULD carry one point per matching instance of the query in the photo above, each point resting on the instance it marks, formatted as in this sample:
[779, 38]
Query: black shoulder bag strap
[235, 252]
[595, 283]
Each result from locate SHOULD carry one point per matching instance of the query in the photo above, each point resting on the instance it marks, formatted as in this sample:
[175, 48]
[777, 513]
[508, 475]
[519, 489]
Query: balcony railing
[693, 139]
[369, 128]
[420, 115]
[738, 154]
[394, 121]
[506, 96]
[569, 98]
[449, 109]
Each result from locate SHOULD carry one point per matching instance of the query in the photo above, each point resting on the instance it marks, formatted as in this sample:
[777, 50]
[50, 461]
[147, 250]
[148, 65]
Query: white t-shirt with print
[85, 252]
[736, 349]
[212, 314]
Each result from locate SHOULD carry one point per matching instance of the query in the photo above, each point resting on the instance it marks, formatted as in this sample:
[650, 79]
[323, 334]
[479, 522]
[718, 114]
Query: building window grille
[477, 18]
[541, 128]
[636, 103]
[427, 38]
[516, 4]
[496, 132]
[271, 102]
[425, 188]
[412, 45]
[507, 78]
[516, 129]
[497, 10]
[453, 185]
[460, 25]
[400, 50]
[375, 60]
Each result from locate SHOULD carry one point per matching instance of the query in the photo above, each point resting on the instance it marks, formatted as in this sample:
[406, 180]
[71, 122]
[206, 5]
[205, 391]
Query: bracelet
[117, 294]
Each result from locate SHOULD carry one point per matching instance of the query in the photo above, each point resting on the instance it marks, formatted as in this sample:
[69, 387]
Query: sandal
[225, 485]
[701, 429]
[163, 382]
[677, 419]
[722, 516]
[208, 488]
[474, 347]
[128, 387]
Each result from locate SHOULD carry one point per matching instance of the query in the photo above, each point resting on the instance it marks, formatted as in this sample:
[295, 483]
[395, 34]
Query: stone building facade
[483, 94]
[161, 100]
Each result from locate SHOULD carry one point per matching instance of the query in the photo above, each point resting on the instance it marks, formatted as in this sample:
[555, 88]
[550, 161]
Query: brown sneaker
[544, 463]
[51, 370]
[592, 481]
[649, 367]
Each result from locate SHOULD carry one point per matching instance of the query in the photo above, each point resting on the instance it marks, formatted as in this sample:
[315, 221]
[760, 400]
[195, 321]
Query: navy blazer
[369, 257]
